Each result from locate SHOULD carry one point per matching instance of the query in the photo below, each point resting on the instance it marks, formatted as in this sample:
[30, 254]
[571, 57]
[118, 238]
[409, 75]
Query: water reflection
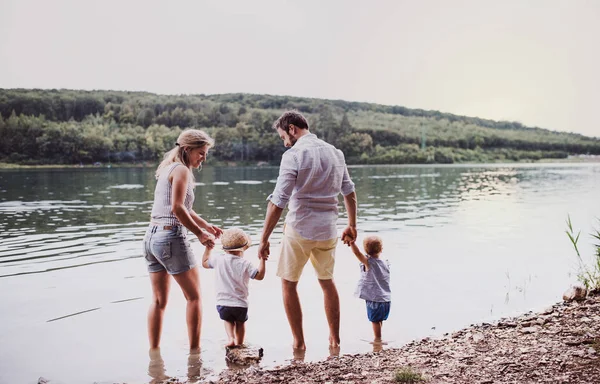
[378, 346]
[475, 241]
[53, 219]
[158, 372]
[194, 368]
[156, 367]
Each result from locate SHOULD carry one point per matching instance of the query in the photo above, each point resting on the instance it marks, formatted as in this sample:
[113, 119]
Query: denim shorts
[233, 314]
[378, 311]
[168, 249]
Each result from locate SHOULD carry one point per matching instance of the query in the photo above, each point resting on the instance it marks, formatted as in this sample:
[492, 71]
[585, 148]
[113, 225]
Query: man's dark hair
[290, 117]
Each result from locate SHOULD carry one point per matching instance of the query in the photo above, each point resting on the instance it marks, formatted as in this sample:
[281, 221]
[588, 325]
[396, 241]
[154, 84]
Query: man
[312, 175]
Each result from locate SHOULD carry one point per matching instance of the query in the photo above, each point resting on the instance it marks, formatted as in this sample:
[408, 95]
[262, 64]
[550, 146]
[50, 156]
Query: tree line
[82, 127]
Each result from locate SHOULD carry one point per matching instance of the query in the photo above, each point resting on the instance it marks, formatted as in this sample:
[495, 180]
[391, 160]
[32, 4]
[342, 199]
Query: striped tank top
[161, 210]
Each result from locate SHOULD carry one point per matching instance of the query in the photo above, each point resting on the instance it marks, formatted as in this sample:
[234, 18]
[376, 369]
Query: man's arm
[286, 181]
[271, 219]
[349, 234]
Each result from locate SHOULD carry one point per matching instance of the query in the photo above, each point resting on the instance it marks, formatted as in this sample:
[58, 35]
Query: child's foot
[231, 344]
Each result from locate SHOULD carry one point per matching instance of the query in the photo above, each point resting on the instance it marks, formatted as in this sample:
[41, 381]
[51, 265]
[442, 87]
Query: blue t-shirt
[374, 284]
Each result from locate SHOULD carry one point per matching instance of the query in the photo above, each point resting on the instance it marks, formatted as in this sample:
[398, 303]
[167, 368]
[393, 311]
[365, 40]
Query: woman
[166, 248]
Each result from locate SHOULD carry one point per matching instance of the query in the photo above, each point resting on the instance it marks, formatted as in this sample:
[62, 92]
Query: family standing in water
[312, 175]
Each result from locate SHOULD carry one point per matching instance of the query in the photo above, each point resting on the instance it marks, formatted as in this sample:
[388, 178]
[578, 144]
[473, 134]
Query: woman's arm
[359, 255]
[206, 225]
[179, 182]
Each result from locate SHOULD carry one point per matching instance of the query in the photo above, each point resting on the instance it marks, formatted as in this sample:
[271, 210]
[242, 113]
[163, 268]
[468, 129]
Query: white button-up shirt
[312, 175]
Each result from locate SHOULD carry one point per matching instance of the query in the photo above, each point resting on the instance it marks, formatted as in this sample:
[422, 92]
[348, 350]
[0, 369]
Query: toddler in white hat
[233, 274]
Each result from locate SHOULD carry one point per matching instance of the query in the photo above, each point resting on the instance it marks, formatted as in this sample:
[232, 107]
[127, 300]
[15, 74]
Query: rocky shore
[558, 345]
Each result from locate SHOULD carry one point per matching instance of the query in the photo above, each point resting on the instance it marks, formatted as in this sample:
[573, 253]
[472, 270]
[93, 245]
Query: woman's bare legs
[160, 293]
[189, 282]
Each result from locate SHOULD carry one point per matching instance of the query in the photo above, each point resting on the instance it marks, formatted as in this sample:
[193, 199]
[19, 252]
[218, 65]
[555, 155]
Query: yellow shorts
[296, 250]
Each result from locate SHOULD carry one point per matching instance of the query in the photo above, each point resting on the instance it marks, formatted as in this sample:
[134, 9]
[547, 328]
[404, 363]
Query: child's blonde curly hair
[373, 245]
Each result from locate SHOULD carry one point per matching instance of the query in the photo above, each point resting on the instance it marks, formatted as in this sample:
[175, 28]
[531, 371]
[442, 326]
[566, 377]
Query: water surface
[466, 244]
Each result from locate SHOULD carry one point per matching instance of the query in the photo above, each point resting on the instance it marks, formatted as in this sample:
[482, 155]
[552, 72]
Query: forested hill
[82, 127]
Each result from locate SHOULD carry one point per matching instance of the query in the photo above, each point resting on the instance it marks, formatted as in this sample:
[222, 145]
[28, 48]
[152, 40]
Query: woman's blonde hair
[188, 139]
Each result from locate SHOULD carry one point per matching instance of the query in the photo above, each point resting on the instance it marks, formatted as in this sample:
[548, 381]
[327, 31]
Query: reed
[589, 273]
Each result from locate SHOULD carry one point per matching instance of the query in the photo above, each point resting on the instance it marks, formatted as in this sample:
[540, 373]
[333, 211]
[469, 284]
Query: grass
[407, 375]
[589, 276]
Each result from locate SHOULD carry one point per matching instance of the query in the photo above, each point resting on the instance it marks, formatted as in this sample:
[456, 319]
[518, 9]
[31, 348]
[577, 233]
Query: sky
[532, 61]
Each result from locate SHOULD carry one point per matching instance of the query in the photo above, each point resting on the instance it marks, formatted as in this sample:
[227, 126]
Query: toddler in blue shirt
[374, 283]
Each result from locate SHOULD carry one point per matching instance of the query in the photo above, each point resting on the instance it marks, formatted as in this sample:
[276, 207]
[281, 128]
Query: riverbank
[558, 345]
[150, 164]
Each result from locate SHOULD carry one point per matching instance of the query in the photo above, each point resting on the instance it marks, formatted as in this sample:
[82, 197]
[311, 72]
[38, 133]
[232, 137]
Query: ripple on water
[126, 186]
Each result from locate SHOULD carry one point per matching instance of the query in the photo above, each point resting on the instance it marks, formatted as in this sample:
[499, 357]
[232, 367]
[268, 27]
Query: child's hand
[207, 239]
[264, 250]
[349, 235]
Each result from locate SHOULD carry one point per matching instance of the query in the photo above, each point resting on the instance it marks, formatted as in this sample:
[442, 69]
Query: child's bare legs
[240, 333]
[229, 328]
[377, 330]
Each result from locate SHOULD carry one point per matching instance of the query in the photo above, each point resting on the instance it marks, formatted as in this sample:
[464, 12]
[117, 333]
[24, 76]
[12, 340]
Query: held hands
[349, 235]
[264, 250]
[207, 239]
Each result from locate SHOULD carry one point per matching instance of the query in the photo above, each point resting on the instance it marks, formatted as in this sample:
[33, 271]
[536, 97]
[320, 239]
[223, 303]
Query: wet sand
[558, 345]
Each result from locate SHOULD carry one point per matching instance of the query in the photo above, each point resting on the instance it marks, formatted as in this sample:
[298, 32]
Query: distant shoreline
[573, 159]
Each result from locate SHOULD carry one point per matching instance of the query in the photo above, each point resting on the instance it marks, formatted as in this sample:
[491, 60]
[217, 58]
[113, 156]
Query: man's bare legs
[332, 311]
[293, 310]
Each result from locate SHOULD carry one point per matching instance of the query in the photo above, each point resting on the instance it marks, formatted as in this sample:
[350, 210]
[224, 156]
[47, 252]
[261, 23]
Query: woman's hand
[207, 239]
[214, 230]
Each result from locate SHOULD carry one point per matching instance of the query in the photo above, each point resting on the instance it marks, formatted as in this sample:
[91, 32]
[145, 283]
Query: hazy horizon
[531, 62]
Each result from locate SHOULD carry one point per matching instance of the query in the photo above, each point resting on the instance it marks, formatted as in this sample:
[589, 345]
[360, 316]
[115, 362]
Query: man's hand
[349, 235]
[264, 250]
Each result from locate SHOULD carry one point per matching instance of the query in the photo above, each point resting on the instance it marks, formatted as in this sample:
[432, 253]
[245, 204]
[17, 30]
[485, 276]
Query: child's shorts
[233, 314]
[378, 311]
